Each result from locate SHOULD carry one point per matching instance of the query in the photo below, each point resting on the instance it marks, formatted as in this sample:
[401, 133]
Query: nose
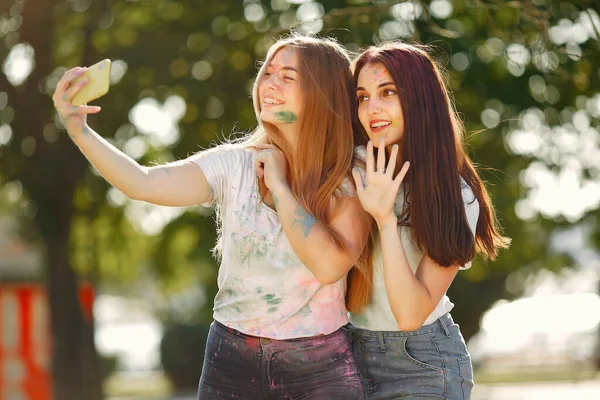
[272, 82]
[373, 106]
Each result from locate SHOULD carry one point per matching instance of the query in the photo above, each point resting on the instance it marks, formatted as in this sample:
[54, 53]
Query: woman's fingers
[66, 80]
[260, 168]
[381, 155]
[392, 162]
[370, 158]
[359, 180]
[73, 90]
[400, 177]
[262, 155]
[265, 146]
[88, 109]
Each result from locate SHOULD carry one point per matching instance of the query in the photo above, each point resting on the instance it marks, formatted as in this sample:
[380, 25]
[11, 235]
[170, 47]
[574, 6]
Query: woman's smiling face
[379, 109]
[279, 89]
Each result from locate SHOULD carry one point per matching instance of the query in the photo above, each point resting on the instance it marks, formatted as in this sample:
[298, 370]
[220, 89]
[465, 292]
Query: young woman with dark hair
[431, 215]
[286, 239]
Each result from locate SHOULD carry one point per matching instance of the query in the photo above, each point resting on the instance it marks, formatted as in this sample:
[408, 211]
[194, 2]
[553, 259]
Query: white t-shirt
[264, 289]
[377, 315]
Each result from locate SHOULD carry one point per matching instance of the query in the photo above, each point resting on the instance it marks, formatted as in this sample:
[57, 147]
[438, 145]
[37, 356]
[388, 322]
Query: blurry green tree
[524, 75]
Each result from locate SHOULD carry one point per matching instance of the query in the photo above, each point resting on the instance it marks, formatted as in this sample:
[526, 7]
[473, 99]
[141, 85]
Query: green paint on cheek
[286, 116]
[230, 292]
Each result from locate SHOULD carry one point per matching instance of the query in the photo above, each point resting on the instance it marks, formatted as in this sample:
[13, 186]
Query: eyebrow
[379, 86]
[284, 68]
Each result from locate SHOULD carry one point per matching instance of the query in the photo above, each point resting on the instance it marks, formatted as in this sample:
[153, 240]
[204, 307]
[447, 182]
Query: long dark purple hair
[433, 141]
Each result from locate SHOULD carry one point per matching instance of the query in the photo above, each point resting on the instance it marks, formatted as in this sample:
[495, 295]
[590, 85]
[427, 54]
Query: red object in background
[25, 340]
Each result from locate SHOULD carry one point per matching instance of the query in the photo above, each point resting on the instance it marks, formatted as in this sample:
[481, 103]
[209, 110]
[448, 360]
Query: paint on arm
[304, 219]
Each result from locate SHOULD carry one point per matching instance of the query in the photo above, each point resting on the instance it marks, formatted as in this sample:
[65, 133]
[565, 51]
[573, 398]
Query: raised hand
[377, 190]
[74, 117]
[272, 166]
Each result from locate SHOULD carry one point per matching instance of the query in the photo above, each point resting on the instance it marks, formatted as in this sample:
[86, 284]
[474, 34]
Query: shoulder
[228, 152]
[360, 152]
[347, 187]
[468, 195]
[470, 201]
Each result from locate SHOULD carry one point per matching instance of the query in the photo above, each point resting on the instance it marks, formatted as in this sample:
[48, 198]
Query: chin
[375, 140]
[267, 118]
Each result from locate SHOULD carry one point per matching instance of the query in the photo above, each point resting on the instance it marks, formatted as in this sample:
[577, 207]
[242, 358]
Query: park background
[105, 297]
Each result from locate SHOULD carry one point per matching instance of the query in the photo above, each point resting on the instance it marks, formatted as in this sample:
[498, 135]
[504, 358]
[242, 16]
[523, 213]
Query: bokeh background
[105, 297]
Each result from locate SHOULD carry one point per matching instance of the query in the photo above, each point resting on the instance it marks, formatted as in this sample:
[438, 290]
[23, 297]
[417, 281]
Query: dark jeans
[238, 366]
[427, 364]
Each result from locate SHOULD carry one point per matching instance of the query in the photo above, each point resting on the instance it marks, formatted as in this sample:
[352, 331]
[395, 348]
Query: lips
[378, 125]
[271, 102]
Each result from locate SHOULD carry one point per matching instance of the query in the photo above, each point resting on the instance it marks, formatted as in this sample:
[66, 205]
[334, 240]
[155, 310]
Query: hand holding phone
[98, 76]
[72, 83]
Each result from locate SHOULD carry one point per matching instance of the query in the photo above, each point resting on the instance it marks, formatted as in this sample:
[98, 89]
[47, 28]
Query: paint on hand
[286, 116]
[304, 219]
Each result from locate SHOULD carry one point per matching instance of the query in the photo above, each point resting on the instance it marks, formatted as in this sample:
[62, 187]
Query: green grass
[154, 385]
[565, 375]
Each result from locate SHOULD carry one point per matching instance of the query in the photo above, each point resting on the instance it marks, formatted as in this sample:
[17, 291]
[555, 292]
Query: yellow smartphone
[98, 76]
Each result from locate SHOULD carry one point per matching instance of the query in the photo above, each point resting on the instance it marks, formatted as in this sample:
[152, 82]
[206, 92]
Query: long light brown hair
[433, 140]
[324, 153]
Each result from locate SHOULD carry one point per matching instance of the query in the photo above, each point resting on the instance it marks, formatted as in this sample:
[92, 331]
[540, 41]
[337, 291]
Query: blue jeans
[429, 363]
[238, 366]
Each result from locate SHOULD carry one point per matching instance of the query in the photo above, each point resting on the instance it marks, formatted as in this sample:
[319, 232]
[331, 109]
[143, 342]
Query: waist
[443, 323]
[291, 343]
[284, 312]
[378, 315]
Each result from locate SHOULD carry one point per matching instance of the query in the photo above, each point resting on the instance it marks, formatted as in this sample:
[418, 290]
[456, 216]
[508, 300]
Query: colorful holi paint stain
[286, 116]
[304, 219]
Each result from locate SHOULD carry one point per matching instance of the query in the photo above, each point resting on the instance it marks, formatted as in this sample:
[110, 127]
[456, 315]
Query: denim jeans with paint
[238, 366]
[427, 364]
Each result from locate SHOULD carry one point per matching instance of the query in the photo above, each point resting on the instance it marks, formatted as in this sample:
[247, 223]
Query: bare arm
[313, 243]
[412, 296]
[180, 183]
[310, 240]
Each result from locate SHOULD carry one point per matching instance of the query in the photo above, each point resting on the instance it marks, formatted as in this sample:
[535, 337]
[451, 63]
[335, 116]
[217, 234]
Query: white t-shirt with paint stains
[264, 289]
[377, 315]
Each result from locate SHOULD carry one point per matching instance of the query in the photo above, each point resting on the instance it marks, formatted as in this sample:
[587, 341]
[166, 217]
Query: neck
[290, 133]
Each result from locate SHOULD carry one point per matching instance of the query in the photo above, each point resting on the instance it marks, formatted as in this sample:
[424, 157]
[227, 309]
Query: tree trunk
[75, 365]
[50, 177]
